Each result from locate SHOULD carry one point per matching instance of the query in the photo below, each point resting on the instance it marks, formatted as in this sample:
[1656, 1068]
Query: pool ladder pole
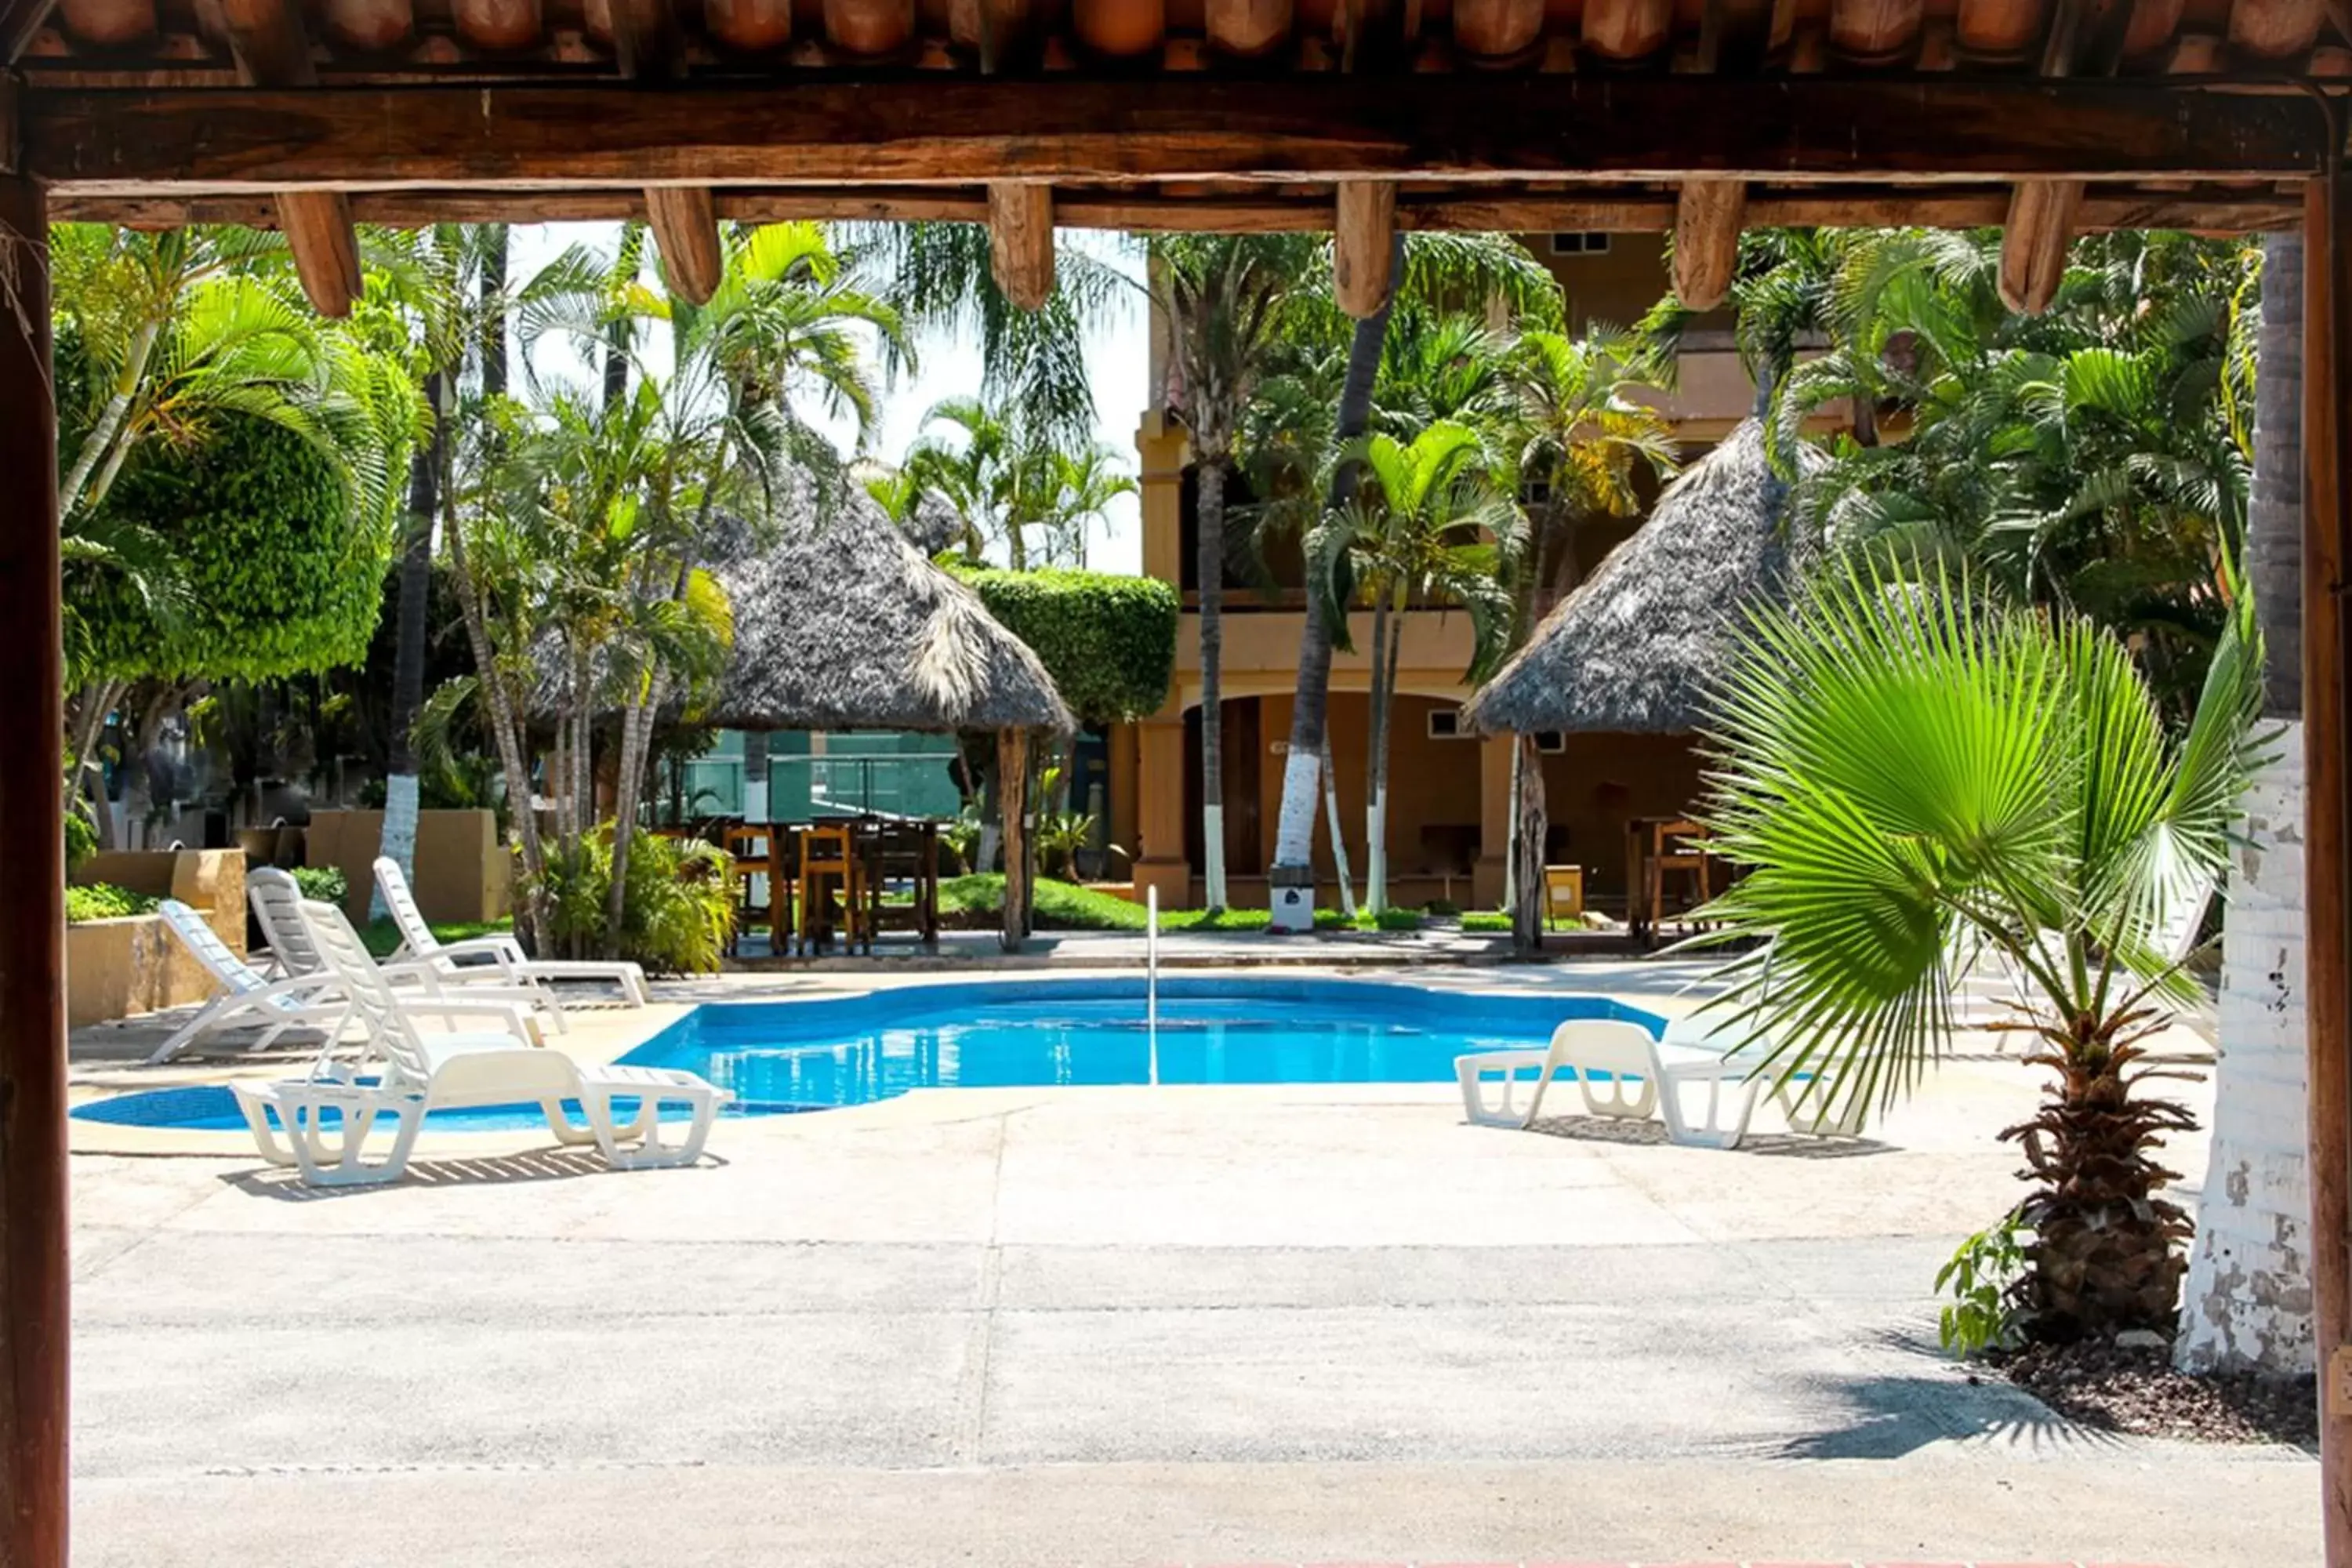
[1151, 976]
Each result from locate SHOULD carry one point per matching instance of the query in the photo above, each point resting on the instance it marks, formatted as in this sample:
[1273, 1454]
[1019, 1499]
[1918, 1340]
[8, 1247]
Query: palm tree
[1915, 770]
[1429, 523]
[1430, 271]
[786, 324]
[939, 278]
[973, 472]
[1582, 447]
[2095, 457]
[1224, 296]
[2257, 1193]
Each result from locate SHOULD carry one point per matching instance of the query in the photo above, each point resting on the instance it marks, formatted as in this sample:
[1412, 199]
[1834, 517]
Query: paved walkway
[1043, 1327]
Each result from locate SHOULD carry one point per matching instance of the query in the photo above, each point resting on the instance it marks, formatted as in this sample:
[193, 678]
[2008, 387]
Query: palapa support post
[32, 1256]
[2327, 873]
[1012, 799]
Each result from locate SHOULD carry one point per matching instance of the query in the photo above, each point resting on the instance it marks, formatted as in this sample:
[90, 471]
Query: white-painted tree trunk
[1338, 839]
[2246, 1304]
[1302, 787]
[1213, 855]
[399, 840]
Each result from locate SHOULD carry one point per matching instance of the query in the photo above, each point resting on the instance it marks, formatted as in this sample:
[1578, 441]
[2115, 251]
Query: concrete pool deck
[1117, 1326]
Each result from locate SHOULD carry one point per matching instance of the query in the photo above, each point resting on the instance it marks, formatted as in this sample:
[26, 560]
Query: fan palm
[1430, 523]
[1917, 770]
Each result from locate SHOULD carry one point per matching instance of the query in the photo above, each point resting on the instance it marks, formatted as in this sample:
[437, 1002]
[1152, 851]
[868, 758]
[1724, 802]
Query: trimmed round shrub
[280, 577]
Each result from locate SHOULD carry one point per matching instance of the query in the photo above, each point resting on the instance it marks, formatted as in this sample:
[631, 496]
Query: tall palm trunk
[2247, 1305]
[1556, 567]
[1376, 761]
[1294, 841]
[499, 701]
[400, 783]
[1213, 643]
[105, 439]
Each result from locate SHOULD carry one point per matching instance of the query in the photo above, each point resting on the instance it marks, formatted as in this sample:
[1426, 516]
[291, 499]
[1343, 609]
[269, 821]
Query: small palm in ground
[1916, 774]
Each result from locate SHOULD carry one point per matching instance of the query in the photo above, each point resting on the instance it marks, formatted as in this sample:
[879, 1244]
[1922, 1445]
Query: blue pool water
[816, 1054]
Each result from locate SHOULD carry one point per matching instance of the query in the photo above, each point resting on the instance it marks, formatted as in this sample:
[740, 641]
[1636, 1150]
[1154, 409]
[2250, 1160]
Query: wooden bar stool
[831, 867]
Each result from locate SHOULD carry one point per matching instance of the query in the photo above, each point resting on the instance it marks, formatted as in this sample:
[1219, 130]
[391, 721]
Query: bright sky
[1116, 361]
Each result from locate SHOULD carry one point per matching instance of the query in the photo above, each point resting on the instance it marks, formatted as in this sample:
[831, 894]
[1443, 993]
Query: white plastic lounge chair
[248, 998]
[505, 954]
[1620, 1071]
[277, 900]
[1807, 1098]
[420, 1072]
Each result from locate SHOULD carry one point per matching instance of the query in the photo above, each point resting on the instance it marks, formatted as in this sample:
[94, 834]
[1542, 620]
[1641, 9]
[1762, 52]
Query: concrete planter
[461, 871]
[117, 968]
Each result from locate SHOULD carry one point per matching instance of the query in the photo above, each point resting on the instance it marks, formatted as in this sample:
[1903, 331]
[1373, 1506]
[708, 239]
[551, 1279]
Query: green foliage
[1486, 919]
[2095, 456]
[961, 836]
[322, 884]
[384, 939]
[679, 903]
[1064, 906]
[275, 577]
[81, 834]
[1109, 642]
[104, 901]
[1983, 1278]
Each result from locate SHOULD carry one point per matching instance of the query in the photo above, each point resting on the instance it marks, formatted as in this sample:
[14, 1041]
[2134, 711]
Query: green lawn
[1064, 906]
[382, 937]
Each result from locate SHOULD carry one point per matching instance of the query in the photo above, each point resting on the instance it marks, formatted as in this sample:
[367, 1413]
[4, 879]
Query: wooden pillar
[1013, 795]
[2327, 880]
[33, 1260]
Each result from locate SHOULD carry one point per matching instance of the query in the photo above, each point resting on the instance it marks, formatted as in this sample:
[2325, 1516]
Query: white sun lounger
[505, 954]
[1620, 1071]
[418, 1072]
[247, 999]
[277, 899]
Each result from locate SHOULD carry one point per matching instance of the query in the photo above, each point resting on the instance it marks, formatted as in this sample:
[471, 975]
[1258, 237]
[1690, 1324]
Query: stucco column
[1487, 878]
[1160, 812]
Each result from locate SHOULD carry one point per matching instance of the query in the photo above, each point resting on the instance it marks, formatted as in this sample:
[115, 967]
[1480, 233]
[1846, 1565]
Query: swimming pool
[853, 1051]
[782, 1056]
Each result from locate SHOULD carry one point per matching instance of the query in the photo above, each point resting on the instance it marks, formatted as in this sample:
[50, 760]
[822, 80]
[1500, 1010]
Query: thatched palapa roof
[1632, 649]
[842, 624]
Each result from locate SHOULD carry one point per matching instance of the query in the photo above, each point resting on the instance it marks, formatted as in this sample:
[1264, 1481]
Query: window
[1446, 725]
[1550, 740]
[1579, 242]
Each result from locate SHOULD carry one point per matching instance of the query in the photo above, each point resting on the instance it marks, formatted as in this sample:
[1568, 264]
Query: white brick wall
[2247, 1301]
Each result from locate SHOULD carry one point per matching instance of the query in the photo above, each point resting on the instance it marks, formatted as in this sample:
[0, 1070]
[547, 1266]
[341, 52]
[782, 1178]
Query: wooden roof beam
[272, 50]
[684, 220]
[1363, 241]
[1241, 211]
[1585, 128]
[1020, 241]
[1708, 217]
[685, 228]
[2042, 212]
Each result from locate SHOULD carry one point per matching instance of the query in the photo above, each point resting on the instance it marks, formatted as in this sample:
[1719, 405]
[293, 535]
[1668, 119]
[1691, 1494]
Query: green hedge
[1109, 642]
